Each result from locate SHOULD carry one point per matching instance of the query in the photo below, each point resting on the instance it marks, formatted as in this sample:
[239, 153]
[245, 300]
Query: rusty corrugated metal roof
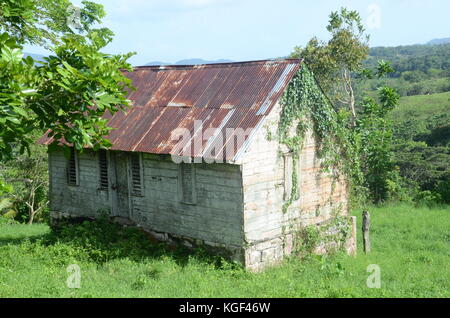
[222, 96]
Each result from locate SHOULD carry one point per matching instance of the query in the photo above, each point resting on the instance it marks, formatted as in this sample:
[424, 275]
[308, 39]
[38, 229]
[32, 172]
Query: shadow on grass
[15, 233]
[101, 241]
[17, 240]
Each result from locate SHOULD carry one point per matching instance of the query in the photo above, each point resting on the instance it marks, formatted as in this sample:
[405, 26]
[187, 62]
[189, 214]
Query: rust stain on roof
[221, 96]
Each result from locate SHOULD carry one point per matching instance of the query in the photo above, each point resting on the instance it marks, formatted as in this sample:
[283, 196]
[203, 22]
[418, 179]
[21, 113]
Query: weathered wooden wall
[269, 232]
[84, 200]
[215, 219]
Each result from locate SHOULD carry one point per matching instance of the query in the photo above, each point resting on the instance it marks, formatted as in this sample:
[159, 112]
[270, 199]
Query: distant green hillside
[419, 69]
[413, 57]
[422, 145]
[423, 118]
[422, 106]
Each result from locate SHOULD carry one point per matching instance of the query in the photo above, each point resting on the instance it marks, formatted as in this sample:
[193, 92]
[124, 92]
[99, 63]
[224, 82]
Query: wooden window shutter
[136, 174]
[72, 168]
[103, 168]
[187, 183]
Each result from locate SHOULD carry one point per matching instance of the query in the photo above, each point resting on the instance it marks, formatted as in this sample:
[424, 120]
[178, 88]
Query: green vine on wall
[306, 107]
[332, 235]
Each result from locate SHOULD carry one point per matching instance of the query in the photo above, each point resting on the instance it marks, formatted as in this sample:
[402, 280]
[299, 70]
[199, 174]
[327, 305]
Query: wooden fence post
[365, 229]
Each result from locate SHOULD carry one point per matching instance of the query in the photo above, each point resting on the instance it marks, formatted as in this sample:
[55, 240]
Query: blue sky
[171, 30]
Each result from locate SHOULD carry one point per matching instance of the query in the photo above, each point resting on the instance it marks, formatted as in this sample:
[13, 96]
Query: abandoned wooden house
[234, 179]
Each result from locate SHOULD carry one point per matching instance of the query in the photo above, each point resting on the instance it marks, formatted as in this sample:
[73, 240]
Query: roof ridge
[212, 65]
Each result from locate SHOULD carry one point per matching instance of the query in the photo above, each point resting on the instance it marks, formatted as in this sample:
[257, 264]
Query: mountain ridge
[439, 41]
[192, 61]
[196, 61]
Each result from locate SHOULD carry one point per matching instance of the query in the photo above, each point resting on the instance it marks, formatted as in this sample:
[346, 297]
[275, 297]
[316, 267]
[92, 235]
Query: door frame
[114, 197]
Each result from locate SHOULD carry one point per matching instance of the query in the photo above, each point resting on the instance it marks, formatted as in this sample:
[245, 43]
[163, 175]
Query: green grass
[422, 107]
[411, 246]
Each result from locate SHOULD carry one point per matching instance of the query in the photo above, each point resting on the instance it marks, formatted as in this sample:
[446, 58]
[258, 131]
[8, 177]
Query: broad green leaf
[20, 111]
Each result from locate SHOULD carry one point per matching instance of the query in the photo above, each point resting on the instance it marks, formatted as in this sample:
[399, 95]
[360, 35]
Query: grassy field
[421, 107]
[411, 246]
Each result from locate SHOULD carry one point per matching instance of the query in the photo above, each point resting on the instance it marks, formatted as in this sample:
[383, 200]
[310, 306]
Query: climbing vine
[306, 107]
[332, 236]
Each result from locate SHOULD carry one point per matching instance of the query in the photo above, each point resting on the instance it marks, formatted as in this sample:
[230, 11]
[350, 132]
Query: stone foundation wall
[231, 252]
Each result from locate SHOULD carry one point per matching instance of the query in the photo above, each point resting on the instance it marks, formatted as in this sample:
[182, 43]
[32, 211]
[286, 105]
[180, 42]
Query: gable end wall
[269, 233]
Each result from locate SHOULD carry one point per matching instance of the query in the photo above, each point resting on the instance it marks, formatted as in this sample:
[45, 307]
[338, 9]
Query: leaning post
[365, 229]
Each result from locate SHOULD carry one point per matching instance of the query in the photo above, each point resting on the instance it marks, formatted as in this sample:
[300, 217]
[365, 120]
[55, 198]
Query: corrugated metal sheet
[220, 96]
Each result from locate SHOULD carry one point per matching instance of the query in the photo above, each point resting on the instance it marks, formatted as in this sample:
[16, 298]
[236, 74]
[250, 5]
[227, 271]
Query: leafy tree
[338, 66]
[6, 204]
[69, 92]
[335, 62]
[44, 22]
[29, 177]
[17, 81]
[375, 130]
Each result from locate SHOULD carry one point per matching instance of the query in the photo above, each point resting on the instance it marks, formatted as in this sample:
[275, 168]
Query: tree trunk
[31, 217]
[350, 95]
[351, 100]
[353, 110]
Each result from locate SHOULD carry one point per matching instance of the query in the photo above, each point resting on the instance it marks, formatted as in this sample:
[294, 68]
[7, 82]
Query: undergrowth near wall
[330, 236]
